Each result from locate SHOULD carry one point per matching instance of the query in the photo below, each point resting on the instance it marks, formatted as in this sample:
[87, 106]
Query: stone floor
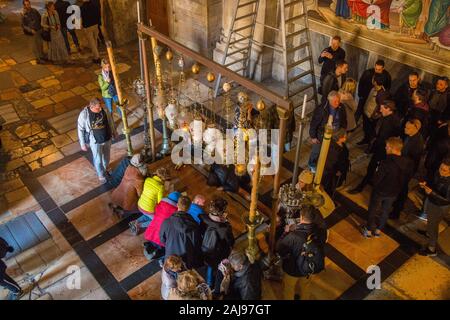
[44, 171]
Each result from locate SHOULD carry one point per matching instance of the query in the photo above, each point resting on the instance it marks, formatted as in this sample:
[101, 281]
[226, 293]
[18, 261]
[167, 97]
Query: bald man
[196, 207]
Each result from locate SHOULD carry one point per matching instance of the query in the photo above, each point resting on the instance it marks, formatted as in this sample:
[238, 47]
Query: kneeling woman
[125, 196]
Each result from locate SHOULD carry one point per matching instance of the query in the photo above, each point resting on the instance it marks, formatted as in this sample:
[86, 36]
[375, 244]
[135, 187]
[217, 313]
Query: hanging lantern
[158, 50]
[195, 68]
[226, 87]
[242, 97]
[181, 62]
[169, 55]
[171, 113]
[210, 77]
[260, 105]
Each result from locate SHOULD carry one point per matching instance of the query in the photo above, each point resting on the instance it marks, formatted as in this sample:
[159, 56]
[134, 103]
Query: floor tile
[93, 217]
[346, 237]
[70, 181]
[150, 289]
[122, 255]
[420, 278]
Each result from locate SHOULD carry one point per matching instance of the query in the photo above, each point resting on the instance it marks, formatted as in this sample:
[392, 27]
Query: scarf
[106, 75]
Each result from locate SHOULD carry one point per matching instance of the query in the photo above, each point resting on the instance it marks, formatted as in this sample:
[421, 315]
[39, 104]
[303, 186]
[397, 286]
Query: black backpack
[312, 258]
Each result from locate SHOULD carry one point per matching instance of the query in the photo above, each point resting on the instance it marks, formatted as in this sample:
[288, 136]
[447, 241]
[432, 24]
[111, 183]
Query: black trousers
[399, 203]
[9, 283]
[371, 168]
[369, 128]
[378, 212]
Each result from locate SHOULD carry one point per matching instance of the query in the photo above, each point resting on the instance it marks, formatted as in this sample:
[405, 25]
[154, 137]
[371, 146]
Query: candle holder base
[253, 251]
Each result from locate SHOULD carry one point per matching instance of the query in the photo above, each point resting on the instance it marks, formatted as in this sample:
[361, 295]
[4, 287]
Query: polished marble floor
[74, 208]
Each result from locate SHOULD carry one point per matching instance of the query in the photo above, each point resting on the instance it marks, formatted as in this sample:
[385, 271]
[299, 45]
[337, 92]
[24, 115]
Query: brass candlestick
[122, 103]
[254, 218]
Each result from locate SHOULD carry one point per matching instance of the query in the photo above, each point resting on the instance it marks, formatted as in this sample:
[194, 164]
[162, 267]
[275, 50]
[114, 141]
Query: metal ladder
[295, 49]
[237, 35]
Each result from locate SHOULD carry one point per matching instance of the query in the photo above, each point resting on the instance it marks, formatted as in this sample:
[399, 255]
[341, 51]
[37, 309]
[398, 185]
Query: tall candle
[138, 12]
[304, 106]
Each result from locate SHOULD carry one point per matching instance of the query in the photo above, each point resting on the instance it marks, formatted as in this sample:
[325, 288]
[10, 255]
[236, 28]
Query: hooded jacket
[163, 211]
[126, 195]
[195, 211]
[391, 175]
[152, 194]
[218, 240]
[180, 234]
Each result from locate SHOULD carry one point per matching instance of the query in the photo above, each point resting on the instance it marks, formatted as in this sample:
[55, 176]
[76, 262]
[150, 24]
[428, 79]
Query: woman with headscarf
[57, 51]
[125, 197]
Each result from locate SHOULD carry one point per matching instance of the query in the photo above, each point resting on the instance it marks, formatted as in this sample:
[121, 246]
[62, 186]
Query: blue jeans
[314, 156]
[109, 102]
[144, 220]
[100, 156]
[210, 276]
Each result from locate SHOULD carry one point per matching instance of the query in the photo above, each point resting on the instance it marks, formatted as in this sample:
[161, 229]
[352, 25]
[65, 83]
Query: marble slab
[70, 181]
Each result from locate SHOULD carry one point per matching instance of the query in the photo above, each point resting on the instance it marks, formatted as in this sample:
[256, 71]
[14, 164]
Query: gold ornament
[195, 68]
[169, 55]
[260, 105]
[226, 87]
[210, 77]
[240, 169]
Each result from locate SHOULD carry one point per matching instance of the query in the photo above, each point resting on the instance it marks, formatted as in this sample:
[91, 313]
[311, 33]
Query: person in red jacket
[163, 210]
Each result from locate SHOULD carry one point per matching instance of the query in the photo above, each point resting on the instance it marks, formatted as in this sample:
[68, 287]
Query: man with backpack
[301, 249]
[218, 239]
[5, 280]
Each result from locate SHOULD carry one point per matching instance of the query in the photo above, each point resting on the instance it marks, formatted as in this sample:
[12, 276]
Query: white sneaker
[102, 180]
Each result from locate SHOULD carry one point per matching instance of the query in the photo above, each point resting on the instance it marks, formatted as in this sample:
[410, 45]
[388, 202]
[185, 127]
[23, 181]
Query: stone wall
[120, 19]
[196, 23]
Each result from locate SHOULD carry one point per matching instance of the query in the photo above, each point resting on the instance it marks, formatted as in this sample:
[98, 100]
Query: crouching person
[172, 268]
[153, 247]
[238, 279]
[190, 286]
[150, 197]
[125, 196]
[301, 249]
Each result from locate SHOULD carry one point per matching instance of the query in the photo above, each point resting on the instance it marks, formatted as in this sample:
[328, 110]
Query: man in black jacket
[403, 97]
[387, 183]
[334, 79]
[61, 7]
[337, 164]
[31, 25]
[329, 56]
[181, 236]
[439, 103]
[413, 147]
[218, 239]
[90, 15]
[437, 205]
[371, 108]
[290, 248]
[388, 126]
[437, 149]
[5, 280]
[365, 84]
[331, 107]
[239, 279]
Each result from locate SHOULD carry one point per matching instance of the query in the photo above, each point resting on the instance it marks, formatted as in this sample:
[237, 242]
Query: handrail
[213, 66]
